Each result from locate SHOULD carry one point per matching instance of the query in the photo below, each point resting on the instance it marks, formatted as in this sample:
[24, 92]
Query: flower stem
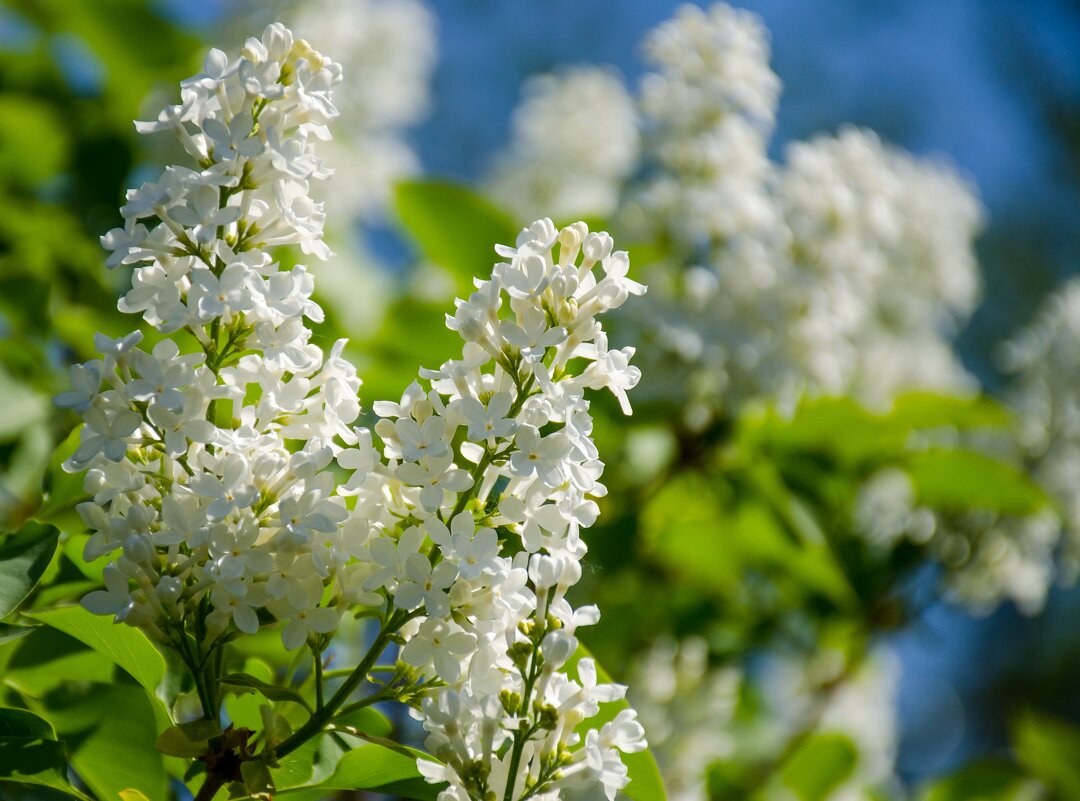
[322, 716]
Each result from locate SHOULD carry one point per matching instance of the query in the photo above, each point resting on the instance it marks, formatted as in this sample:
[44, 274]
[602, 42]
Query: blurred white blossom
[989, 556]
[1043, 361]
[392, 44]
[687, 708]
[574, 143]
[845, 269]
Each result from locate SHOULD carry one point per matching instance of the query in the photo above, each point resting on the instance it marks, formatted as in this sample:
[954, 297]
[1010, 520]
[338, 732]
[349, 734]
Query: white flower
[543, 456]
[321, 620]
[435, 478]
[86, 381]
[423, 584]
[219, 527]
[440, 644]
[488, 422]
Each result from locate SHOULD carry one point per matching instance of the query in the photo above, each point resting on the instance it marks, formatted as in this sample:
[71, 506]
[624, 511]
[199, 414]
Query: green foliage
[24, 556]
[821, 765]
[111, 732]
[371, 767]
[1050, 750]
[957, 480]
[981, 781]
[453, 227]
[30, 752]
[125, 646]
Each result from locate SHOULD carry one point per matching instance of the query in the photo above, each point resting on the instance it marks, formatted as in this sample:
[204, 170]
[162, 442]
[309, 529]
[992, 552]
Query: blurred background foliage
[776, 645]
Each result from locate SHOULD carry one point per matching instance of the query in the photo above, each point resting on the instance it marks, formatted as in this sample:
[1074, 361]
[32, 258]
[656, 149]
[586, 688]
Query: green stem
[318, 721]
[524, 390]
[522, 736]
[318, 679]
[197, 676]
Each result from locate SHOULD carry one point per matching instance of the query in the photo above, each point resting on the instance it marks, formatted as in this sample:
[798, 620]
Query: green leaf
[124, 645]
[62, 489]
[21, 724]
[981, 781]
[33, 144]
[188, 740]
[375, 768]
[47, 660]
[310, 764]
[821, 765]
[838, 427]
[960, 480]
[367, 720]
[9, 632]
[454, 227]
[924, 410]
[1050, 749]
[271, 691]
[117, 753]
[30, 753]
[645, 781]
[24, 556]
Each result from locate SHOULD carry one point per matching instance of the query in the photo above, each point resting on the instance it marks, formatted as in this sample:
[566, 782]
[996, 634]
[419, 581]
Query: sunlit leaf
[1050, 750]
[922, 410]
[24, 556]
[958, 480]
[117, 752]
[128, 647]
[821, 765]
[378, 769]
[454, 227]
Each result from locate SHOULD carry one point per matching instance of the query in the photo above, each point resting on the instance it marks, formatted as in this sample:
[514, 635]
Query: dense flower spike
[213, 472]
[210, 471]
[498, 447]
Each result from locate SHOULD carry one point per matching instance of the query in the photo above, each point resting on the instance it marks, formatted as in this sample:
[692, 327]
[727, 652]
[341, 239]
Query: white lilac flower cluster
[213, 472]
[846, 269]
[707, 113]
[210, 471]
[482, 488]
[575, 142]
